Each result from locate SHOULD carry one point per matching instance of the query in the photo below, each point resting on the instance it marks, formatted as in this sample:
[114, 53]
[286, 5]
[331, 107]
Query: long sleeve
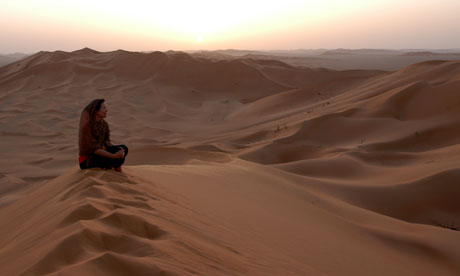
[107, 142]
[87, 142]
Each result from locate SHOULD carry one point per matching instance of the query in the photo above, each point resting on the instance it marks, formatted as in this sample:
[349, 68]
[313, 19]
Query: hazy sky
[142, 25]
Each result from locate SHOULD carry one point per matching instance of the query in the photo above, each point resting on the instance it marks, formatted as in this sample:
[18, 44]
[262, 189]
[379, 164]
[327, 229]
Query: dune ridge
[242, 166]
[98, 222]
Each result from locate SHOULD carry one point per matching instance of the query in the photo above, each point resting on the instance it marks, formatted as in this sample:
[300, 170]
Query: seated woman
[95, 148]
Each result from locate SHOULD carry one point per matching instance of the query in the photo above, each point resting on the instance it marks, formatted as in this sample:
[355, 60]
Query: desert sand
[338, 59]
[236, 167]
[10, 58]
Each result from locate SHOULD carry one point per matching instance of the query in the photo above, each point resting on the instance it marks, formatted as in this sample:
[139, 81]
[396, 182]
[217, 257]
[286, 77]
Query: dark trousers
[97, 161]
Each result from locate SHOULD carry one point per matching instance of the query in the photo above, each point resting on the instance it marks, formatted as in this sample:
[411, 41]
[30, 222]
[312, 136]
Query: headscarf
[92, 134]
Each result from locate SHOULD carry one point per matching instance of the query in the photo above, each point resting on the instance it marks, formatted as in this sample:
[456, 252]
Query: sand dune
[236, 167]
[10, 58]
[338, 59]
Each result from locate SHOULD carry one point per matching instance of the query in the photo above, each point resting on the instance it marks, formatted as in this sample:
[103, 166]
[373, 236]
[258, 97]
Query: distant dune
[427, 53]
[238, 165]
[423, 53]
[10, 58]
[361, 52]
[339, 59]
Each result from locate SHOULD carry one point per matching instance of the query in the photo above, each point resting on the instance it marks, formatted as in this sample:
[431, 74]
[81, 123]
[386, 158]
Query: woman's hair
[87, 124]
[93, 107]
[88, 115]
[98, 103]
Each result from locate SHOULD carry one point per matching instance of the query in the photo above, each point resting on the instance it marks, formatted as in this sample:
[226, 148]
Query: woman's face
[102, 113]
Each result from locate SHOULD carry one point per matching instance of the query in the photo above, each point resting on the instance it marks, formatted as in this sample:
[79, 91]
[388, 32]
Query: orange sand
[236, 167]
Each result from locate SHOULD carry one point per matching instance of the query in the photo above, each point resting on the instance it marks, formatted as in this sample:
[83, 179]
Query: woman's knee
[125, 148]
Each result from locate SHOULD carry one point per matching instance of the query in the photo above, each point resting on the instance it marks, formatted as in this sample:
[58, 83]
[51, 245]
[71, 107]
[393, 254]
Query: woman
[96, 150]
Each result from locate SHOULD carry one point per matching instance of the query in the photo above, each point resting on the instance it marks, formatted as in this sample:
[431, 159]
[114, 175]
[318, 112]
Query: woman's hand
[120, 154]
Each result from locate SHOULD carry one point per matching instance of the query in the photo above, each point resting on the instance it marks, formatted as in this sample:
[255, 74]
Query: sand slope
[236, 167]
[338, 59]
[234, 218]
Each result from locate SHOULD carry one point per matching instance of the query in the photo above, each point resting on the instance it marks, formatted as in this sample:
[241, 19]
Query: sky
[29, 26]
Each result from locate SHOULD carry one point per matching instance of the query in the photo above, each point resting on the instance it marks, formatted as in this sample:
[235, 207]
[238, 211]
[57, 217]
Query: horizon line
[241, 50]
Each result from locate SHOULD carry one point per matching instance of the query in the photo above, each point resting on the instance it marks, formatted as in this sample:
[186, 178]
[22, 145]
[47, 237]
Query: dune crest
[94, 222]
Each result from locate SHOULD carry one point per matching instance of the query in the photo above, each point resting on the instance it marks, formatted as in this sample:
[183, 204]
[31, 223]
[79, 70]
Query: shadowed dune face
[236, 167]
